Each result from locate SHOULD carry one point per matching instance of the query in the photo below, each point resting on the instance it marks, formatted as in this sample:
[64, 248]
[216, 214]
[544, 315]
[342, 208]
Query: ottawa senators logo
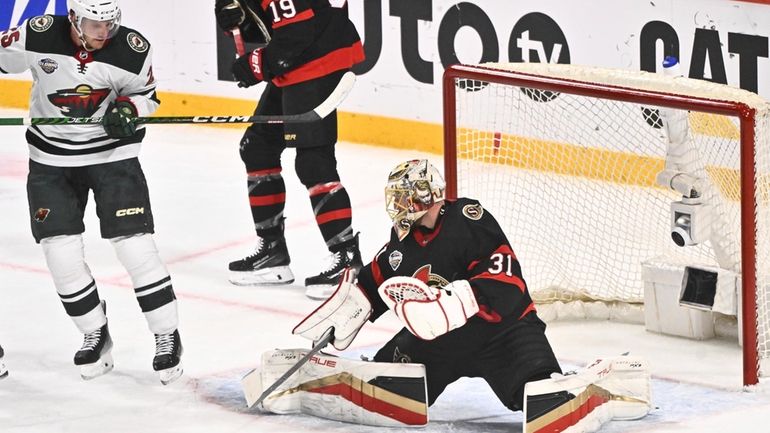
[401, 357]
[82, 101]
[41, 214]
[434, 280]
[473, 211]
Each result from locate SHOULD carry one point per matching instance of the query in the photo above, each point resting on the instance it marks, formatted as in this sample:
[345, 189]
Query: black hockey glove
[118, 121]
[248, 70]
[229, 14]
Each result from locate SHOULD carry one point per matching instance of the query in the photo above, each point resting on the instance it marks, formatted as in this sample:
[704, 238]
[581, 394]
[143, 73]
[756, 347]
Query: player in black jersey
[308, 46]
[451, 276]
[87, 65]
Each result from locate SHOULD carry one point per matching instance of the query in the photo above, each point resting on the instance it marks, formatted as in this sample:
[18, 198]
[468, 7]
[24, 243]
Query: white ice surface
[197, 185]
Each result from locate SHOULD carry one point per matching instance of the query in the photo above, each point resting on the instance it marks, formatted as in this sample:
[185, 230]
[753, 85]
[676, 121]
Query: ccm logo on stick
[220, 119]
[130, 211]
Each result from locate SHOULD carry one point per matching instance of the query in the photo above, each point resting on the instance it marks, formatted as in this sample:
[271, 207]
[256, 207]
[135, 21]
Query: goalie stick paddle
[323, 342]
[321, 111]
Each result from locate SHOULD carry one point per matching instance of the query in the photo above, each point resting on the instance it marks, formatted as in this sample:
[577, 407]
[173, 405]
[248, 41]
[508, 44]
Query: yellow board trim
[353, 127]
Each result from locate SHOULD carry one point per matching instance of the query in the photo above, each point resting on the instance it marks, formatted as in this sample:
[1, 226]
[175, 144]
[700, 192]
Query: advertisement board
[409, 42]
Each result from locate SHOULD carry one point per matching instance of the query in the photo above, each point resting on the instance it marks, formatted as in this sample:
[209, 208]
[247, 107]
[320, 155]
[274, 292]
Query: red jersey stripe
[488, 314]
[267, 200]
[343, 58]
[530, 308]
[377, 273]
[505, 249]
[302, 16]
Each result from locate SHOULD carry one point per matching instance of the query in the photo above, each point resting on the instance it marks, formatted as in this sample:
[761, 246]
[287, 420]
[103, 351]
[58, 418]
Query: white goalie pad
[616, 388]
[360, 392]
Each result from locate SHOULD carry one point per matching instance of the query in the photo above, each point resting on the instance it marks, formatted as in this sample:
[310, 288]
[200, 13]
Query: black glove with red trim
[247, 69]
[229, 14]
[118, 121]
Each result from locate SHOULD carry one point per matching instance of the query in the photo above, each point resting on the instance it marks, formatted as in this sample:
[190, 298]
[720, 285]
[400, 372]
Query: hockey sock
[331, 206]
[152, 283]
[267, 198]
[73, 281]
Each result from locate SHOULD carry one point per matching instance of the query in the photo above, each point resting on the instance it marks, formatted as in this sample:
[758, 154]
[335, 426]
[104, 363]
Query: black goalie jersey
[72, 82]
[466, 244]
[308, 38]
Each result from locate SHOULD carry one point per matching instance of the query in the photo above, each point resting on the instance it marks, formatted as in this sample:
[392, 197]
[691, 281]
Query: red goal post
[566, 158]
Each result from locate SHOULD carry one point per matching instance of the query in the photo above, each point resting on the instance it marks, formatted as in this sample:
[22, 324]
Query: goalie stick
[321, 111]
[323, 342]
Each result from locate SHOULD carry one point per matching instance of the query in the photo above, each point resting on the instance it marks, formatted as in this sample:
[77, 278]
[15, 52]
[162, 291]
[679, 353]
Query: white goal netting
[571, 176]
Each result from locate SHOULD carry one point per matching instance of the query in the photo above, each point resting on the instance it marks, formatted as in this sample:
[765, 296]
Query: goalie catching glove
[346, 311]
[428, 312]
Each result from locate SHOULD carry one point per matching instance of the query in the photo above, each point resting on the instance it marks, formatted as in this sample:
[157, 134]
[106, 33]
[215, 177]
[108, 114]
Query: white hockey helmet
[413, 187]
[97, 19]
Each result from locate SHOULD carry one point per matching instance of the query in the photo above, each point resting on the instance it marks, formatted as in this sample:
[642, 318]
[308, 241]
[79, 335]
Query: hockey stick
[252, 377]
[240, 48]
[321, 111]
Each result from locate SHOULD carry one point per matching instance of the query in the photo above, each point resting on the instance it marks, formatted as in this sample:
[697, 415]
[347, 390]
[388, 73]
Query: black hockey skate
[168, 357]
[94, 357]
[268, 265]
[3, 369]
[323, 285]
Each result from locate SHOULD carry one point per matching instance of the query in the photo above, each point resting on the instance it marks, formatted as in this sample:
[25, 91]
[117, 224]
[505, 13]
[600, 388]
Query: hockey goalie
[450, 275]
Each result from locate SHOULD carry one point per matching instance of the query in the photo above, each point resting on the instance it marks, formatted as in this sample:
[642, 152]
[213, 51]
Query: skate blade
[320, 292]
[170, 374]
[103, 366]
[270, 276]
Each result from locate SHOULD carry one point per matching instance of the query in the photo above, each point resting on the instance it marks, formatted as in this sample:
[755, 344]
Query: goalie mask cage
[566, 158]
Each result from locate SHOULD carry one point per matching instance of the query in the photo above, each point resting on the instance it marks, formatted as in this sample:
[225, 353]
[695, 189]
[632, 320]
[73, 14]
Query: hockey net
[566, 158]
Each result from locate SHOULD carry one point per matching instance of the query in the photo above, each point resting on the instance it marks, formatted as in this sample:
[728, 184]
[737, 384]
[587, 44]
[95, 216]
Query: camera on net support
[690, 218]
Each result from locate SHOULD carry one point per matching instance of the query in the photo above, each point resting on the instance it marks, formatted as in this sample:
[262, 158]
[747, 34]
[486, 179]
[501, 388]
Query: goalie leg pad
[360, 392]
[608, 389]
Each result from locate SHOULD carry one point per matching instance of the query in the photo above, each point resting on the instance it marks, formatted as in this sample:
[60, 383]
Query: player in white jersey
[83, 65]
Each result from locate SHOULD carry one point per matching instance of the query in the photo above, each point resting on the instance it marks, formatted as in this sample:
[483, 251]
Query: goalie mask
[95, 19]
[413, 187]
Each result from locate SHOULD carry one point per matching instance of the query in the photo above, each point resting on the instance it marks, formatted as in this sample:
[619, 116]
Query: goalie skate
[268, 265]
[3, 369]
[95, 358]
[168, 353]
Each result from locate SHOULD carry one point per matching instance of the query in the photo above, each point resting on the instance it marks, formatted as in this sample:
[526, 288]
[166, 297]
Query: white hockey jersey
[69, 81]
